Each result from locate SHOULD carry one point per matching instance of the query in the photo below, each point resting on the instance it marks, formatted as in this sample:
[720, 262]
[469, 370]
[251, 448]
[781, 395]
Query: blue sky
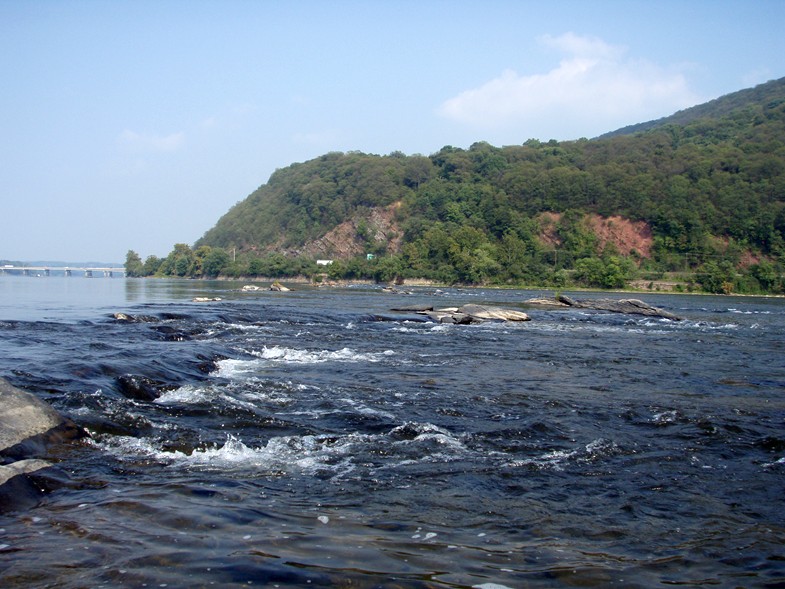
[136, 125]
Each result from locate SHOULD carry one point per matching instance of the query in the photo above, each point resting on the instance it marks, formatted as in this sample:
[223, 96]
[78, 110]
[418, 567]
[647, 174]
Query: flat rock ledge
[28, 426]
[465, 315]
[627, 306]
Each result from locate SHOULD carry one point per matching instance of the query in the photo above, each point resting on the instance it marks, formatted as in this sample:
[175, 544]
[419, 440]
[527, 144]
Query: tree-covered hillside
[710, 188]
[714, 109]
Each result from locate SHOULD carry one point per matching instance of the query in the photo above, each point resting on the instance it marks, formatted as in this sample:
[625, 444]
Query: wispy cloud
[594, 88]
[149, 142]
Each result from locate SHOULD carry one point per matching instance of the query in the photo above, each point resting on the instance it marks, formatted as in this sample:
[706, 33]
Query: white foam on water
[307, 454]
[490, 586]
[706, 326]
[405, 329]
[294, 356]
[187, 395]
[363, 409]
[233, 369]
[442, 439]
[556, 459]
[665, 417]
[739, 312]
[600, 447]
[239, 327]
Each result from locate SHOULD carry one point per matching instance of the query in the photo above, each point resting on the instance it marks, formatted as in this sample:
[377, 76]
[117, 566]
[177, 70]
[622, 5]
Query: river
[314, 438]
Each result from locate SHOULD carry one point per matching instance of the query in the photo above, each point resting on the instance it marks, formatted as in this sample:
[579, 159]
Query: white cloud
[595, 88]
[147, 142]
[572, 44]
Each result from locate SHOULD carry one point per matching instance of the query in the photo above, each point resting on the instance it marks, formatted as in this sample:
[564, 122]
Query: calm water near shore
[317, 439]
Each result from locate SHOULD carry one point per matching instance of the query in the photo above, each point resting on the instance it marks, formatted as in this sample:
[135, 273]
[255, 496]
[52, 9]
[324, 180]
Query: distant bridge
[87, 272]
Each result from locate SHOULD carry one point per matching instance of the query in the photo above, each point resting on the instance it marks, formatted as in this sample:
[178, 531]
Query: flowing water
[317, 439]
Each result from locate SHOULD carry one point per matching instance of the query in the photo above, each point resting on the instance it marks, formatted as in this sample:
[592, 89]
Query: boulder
[467, 314]
[27, 424]
[541, 302]
[27, 427]
[18, 489]
[451, 317]
[21, 467]
[627, 306]
[278, 287]
[493, 313]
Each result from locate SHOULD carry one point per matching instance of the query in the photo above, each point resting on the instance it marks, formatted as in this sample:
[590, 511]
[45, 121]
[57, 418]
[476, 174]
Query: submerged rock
[140, 388]
[413, 308]
[126, 318]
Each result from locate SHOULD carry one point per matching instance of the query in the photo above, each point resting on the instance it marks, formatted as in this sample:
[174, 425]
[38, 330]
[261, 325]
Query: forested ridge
[707, 186]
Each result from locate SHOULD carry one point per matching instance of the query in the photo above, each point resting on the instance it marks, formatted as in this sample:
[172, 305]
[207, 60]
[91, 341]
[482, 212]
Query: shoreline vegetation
[265, 283]
[596, 273]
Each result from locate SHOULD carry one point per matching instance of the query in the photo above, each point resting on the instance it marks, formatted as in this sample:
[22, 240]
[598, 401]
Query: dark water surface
[315, 439]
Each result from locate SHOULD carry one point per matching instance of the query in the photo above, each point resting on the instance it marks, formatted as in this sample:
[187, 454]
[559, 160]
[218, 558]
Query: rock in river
[628, 306]
[493, 313]
[466, 314]
[27, 427]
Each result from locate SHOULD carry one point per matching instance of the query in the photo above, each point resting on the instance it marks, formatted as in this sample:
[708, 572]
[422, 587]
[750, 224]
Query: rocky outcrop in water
[28, 427]
[627, 306]
[465, 315]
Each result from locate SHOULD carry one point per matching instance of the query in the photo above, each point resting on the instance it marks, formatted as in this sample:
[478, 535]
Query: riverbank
[654, 287]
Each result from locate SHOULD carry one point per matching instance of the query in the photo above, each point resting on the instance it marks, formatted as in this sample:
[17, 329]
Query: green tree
[718, 278]
[151, 265]
[178, 262]
[215, 262]
[133, 264]
[766, 274]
